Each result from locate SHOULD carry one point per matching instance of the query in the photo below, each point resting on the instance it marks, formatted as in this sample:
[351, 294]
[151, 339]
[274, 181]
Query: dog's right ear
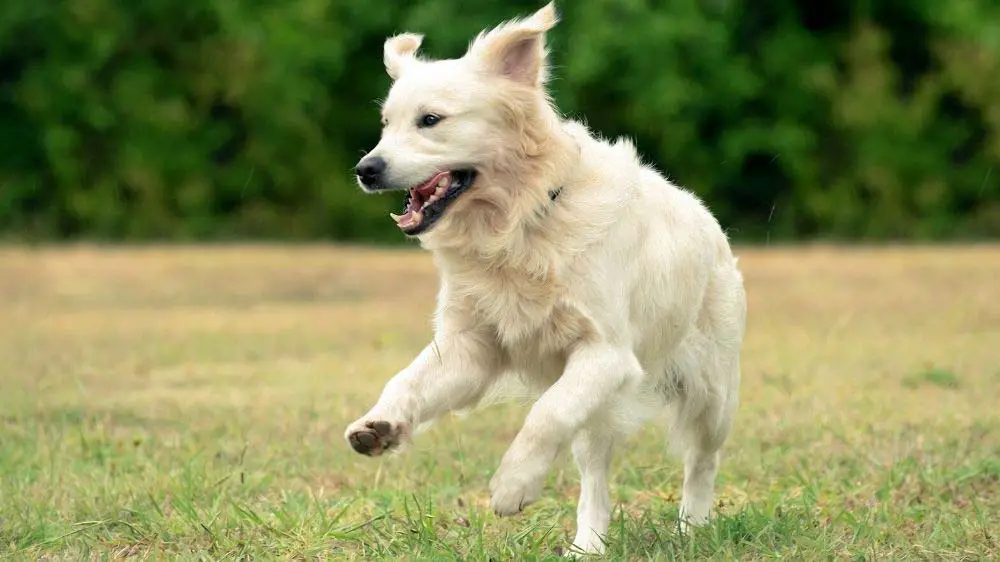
[516, 49]
[400, 51]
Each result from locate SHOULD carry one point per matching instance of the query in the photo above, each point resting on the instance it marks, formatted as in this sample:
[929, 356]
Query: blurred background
[794, 119]
[189, 401]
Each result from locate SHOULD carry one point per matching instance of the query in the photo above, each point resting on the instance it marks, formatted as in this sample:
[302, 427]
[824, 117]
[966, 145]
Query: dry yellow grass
[192, 401]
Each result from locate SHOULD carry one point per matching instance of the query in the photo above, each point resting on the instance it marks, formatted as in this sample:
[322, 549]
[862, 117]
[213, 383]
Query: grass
[934, 376]
[190, 403]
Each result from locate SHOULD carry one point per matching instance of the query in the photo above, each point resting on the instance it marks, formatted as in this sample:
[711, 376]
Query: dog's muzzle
[370, 171]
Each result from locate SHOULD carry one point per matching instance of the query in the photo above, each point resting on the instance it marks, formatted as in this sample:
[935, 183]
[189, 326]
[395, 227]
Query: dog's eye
[428, 120]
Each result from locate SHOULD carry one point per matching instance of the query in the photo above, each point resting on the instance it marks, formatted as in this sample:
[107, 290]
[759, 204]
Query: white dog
[565, 264]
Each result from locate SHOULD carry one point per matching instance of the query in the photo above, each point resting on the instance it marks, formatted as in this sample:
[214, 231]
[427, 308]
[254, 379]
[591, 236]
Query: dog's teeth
[443, 182]
[395, 217]
[417, 217]
[440, 191]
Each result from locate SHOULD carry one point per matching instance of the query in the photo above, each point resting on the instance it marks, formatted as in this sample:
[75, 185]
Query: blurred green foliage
[152, 119]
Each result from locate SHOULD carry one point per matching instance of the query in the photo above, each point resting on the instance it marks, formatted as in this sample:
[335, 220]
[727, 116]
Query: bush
[793, 119]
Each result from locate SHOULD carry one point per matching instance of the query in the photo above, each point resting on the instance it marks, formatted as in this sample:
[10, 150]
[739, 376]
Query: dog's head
[459, 133]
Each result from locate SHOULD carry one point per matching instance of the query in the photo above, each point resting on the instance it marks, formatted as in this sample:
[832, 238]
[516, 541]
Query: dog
[566, 264]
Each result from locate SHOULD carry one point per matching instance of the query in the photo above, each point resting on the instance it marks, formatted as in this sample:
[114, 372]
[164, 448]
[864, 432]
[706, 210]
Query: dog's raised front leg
[593, 374]
[449, 376]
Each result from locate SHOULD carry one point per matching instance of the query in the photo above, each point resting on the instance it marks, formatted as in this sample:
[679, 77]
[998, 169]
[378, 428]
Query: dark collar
[545, 209]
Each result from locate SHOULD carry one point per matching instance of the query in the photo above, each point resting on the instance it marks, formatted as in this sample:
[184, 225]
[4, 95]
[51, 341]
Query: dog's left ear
[516, 49]
[399, 51]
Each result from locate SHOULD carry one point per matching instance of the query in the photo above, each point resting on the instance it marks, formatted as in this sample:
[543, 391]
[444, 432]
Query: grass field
[191, 403]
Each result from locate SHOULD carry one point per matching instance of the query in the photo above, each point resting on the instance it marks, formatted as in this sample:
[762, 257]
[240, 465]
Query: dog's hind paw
[374, 437]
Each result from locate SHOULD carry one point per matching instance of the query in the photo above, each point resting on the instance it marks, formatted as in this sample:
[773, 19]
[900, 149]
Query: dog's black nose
[369, 170]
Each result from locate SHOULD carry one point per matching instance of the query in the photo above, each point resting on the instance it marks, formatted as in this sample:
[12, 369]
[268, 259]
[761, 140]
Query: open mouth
[426, 203]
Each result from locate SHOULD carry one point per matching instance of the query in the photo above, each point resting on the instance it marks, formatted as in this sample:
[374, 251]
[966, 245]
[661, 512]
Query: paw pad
[374, 438]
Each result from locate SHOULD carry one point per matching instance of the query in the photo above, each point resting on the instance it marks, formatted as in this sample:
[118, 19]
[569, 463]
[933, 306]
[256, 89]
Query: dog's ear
[516, 49]
[399, 51]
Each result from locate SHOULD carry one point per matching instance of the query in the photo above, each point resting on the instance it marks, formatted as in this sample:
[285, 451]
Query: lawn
[191, 402]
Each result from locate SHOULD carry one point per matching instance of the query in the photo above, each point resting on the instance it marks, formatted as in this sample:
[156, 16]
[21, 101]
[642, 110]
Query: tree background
[794, 119]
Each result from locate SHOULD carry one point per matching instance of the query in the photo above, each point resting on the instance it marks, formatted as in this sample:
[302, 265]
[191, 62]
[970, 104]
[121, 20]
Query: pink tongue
[425, 191]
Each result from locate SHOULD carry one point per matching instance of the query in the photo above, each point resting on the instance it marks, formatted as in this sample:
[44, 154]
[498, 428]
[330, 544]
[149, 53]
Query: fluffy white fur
[617, 301]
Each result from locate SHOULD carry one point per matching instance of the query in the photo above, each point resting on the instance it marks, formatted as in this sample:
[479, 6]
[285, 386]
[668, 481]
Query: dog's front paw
[374, 437]
[510, 495]
[514, 488]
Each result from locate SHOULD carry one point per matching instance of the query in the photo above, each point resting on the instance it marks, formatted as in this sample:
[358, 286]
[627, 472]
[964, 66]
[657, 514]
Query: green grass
[190, 403]
[933, 376]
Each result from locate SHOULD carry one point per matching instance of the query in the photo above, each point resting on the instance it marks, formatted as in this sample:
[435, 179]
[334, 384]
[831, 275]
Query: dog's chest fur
[530, 315]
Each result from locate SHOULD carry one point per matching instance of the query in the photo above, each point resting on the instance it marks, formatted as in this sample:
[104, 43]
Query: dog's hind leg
[706, 371]
[593, 448]
[701, 465]
[700, 437]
